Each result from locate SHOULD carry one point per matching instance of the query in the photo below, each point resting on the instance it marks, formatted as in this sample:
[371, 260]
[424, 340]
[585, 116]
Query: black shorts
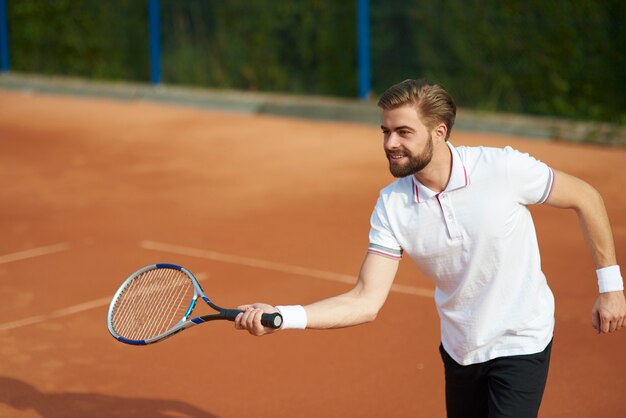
[509, 387]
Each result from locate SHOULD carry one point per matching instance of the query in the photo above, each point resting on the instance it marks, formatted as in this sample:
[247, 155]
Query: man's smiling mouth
[395, 156]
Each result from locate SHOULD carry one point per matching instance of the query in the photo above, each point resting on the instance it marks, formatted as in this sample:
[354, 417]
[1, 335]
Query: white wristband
[294, 317]
[610, 279]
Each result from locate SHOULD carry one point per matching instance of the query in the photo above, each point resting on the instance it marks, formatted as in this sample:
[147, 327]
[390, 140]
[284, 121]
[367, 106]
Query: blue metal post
[4, 38]
[363, 48]
[155, 41]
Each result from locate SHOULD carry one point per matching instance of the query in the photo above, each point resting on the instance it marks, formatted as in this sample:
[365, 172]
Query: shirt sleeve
[381, 239]
[531, 180]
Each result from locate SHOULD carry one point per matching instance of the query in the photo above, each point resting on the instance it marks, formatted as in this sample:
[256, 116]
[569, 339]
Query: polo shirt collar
[458, 179]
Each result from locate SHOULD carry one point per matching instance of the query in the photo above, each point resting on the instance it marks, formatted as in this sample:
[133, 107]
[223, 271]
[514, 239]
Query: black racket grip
[272, 320]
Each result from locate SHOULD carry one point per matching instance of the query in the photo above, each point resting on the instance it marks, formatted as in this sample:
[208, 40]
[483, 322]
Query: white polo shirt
[477, 242]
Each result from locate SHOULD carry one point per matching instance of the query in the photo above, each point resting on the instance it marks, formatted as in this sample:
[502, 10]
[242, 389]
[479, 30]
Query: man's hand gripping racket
[156, 301]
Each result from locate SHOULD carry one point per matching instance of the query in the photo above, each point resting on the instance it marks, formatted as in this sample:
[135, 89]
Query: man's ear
[440, 132]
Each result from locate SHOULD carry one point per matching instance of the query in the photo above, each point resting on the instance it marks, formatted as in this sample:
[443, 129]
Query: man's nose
[391, 141]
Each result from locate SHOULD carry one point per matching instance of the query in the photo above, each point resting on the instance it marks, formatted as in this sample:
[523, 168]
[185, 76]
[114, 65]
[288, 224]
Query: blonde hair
[431, 101]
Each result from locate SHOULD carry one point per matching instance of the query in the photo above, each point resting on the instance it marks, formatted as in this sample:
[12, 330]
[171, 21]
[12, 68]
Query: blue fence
[557, 58]
[363, 48]
[154, 19]
[4, 38]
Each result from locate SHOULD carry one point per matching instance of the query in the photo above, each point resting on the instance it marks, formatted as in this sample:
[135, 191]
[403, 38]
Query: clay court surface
[262, 209]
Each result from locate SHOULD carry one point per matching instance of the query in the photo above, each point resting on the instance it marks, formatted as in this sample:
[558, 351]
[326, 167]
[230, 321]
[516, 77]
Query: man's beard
[414, 164]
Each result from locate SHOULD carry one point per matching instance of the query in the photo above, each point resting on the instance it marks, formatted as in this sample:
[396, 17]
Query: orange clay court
[261, 208]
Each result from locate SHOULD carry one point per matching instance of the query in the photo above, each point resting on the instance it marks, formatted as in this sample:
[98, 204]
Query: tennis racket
[156, 301]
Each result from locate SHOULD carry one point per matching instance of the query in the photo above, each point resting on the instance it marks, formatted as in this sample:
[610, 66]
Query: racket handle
[272, 320]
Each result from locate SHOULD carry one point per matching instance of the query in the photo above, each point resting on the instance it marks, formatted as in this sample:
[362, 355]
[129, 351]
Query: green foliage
[88, 38]
[304, 46]
[562, 57]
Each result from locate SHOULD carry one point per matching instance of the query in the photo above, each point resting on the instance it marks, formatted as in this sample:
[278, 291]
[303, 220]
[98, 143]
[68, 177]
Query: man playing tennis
[462, 215]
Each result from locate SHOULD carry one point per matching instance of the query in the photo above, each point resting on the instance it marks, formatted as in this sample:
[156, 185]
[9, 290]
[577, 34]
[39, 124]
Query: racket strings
[170, 310]
[152, 304]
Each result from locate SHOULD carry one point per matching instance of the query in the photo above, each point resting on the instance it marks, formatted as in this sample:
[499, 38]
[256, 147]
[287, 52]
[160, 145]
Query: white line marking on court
[23, 322]
[269, 265]
[33, 252]
[70, 310]
[81, 307]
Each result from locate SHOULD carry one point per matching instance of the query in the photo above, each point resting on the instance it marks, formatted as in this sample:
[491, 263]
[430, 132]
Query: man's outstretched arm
[357, 306]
